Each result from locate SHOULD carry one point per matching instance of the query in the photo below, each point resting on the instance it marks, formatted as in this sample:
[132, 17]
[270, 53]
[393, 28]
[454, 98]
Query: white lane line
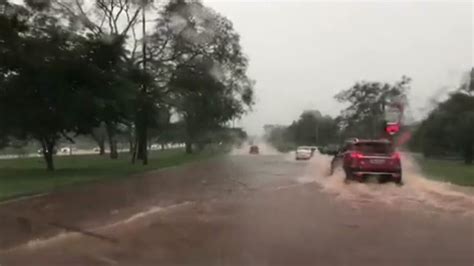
[41, 242]
[141, 215]
[23, 198]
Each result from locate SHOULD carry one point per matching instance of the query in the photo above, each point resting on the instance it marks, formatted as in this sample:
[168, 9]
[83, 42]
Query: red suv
[362, 159]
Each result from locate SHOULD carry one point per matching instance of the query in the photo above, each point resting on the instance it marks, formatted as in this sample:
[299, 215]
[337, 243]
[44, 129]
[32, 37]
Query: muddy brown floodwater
[240, 209]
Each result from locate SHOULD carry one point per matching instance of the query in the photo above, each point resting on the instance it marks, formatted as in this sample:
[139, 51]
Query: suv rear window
[373, 148]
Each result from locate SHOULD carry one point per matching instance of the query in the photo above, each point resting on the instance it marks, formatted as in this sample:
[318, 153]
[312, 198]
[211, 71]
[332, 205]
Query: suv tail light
[356, 155]
[396, 156]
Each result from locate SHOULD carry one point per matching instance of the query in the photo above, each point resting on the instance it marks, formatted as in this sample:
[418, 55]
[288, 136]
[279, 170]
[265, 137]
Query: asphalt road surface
[243, 210]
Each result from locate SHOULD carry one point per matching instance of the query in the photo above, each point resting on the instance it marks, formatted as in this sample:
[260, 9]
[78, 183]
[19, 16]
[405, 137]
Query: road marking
[23, 198]
[144, 214]
[77, 232]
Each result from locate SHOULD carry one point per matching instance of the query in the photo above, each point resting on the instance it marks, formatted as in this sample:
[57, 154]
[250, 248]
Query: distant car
[303, 153]
[254, 149]
[65, 150]
[96, 149]
[364, 159]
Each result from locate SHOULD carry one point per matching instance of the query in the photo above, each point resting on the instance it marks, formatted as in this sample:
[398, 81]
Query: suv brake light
[356, 155]
[396, 156]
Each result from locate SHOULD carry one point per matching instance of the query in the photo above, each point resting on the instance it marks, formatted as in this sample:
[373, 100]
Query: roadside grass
[455, 172]
[28, 175]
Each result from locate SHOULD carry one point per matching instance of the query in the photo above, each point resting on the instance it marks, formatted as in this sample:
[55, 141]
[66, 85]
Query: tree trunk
[112, 141]
[130, 139]
[48, 152]
[99, 134]
[162, 146]
[130, 146]
[134, 148]
[142, 132]
[468, 154]
[113, 149]
[142, 113]
[142, 149]
[189, 147]
[48, 157]
[101, 147]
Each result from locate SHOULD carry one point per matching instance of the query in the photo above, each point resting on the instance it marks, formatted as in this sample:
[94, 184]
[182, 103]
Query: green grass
[455, 172]
[28, 175]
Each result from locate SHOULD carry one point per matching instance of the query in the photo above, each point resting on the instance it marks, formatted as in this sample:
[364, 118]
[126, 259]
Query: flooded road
[246, 210]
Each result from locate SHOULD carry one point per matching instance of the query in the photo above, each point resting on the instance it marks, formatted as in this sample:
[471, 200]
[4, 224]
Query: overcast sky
[303, 52]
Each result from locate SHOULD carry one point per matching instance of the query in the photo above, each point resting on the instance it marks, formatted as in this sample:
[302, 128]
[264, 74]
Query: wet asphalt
[244, 210]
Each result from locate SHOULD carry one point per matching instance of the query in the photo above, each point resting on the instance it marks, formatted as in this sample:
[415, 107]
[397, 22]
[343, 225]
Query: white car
[65, 150]
[303, 153]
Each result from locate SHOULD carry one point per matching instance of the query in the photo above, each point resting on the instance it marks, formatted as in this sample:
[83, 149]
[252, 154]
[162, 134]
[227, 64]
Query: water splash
[418, 191]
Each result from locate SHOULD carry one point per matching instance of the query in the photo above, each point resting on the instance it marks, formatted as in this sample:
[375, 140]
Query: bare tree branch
[88, 23]
[122, 6]
[102, 22]
[83, 14]
[134, 35]
[112, 17]
[107, 13]
[131, 22]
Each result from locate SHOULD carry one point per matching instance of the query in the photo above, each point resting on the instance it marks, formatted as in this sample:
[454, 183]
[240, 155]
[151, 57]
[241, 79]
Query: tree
[77, 66]
[450, 127]
[203, 103]
[312, 128]
[206, 78]
[467, 84]
[115, 23]
[41, 96]
[99, 134]
[114, 88]
[364, 116]
[58, 83]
